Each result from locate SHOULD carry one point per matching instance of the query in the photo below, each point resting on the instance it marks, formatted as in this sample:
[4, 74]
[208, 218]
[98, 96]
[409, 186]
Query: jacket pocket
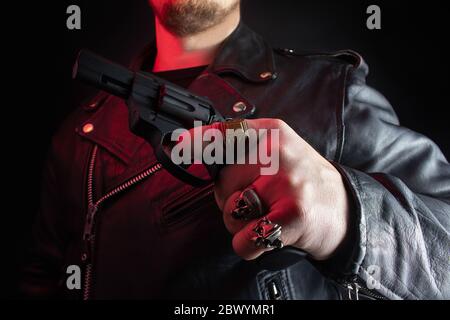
[188, 206]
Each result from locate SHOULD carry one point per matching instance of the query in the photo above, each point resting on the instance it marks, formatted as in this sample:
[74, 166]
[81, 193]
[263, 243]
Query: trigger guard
[178, 171]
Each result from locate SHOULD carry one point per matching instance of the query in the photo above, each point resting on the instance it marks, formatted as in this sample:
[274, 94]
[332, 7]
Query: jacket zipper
[355, 286]
[93, 206]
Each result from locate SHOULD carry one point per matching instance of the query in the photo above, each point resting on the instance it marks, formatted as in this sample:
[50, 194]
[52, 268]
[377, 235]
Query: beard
[189, 17]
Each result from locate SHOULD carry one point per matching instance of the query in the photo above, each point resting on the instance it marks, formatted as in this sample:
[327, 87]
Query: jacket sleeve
[400, 183]
[41, 272]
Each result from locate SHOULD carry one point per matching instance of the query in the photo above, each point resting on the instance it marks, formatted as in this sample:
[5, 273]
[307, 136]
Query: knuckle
[279, 123]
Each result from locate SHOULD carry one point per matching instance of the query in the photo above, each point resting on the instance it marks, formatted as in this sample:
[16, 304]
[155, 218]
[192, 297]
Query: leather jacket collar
[245, 54]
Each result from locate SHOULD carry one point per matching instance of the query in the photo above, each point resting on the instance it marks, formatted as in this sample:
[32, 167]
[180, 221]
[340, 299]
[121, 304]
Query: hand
[307, 197]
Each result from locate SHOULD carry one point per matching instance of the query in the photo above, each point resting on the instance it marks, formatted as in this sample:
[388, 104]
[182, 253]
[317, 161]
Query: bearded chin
[190, 17]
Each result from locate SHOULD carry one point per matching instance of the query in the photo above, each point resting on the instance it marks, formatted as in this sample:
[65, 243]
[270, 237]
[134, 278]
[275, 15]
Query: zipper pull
[355, 284]
[353, 287]
[351, 284]
[274, 292]
[87, 235]
[92, 209]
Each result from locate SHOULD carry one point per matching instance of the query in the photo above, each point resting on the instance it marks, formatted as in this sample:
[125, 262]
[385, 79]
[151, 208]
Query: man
[366, 199]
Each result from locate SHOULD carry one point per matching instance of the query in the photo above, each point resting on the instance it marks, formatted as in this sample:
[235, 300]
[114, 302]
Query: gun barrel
[103, 74]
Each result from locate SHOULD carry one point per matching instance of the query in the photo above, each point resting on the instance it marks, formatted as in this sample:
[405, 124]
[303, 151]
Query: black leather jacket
[158, 238]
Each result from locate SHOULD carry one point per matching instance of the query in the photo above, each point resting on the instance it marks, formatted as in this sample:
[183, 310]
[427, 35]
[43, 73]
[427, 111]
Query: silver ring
[248, 206]
[268, 234]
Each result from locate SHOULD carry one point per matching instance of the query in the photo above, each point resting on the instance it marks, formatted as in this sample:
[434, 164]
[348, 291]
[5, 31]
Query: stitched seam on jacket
[362, 217]
[432, 273]
[364, 261]
[340, 120]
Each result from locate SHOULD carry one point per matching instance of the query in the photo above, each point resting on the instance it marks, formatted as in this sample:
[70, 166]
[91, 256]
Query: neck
[191, 51]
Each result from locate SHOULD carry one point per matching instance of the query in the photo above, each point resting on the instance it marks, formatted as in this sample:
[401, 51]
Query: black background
[408, 61]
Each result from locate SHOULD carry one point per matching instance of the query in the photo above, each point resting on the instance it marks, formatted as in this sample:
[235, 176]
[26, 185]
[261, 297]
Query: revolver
[156, 108]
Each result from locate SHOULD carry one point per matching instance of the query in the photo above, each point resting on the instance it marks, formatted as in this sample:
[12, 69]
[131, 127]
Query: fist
[306, 196]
